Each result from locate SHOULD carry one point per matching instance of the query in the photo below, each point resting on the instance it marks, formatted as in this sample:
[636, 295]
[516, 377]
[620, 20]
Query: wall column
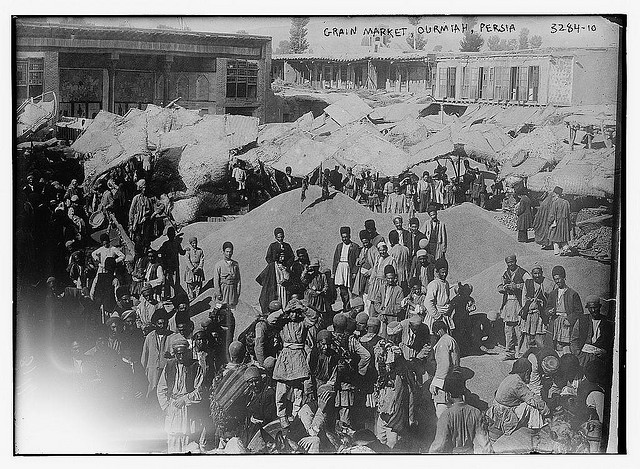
[166, 70]
[113, 61]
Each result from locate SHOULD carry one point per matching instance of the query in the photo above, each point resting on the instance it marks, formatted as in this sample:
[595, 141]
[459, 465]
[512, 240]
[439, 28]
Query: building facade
[564, 77]
[92, 68]
[391, 71]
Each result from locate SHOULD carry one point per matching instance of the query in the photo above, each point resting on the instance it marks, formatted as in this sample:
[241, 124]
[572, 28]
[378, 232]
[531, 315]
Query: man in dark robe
[525, 217]
[564, 308]
[415, 235]
[541, 220]
[559, 223]
[279, 245]
[592, 334]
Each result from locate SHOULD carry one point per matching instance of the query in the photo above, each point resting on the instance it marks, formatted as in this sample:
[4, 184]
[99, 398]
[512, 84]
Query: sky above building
[342, 33]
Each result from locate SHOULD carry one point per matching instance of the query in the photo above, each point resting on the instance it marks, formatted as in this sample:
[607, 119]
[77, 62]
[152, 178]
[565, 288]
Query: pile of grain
[595, 243]
[475, 239]
[583, 275]
[509, 219]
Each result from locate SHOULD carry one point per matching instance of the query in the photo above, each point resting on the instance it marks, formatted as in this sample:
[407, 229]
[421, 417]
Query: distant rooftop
[24, 27]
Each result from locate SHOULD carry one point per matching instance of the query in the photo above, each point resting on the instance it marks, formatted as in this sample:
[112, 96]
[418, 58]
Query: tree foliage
[493, 43]
[535, 42]
[437, 48]
[284, 47]
[523, 39]
[298, 34]
[471, 42]
[416, 41]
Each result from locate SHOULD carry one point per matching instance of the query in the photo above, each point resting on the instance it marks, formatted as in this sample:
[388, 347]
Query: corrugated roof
[349, 109]
[355, 56]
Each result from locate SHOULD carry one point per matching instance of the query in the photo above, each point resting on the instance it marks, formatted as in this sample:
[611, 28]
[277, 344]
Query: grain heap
[317, 229]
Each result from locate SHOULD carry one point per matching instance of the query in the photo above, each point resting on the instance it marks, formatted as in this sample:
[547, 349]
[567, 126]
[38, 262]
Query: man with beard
[298, 269]
[534, 323]
[559, 223]
[374, 236]
[146, 309]
[178, 391]
[422, 266]
[155, 352]
[364, 268]
[592, 334]
[414, 237]
[278, 246]
[565, 307]
[388, 304]
[140, 213]
[513, 280]
[377, 281]
[403, 235]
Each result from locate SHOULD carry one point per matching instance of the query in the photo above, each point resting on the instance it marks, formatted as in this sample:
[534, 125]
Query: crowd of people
[362, 355]
[407, 193]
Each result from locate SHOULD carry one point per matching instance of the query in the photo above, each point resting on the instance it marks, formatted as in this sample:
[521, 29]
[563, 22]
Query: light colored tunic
[436, 303]
[401, 254]
[226, 281]
[562, 327]
[342, 269]
[377, 280]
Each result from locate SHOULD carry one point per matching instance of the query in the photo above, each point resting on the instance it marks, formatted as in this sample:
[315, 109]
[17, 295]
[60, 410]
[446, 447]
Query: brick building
[96, 67]
[565, 77]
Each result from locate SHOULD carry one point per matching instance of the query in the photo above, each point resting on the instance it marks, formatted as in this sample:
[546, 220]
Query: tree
[472, 41]
[416, 41]
[512, 44]
[493, 43]
[298, 34]
[523, 40]
[535, 42]
[284, 47]
[437, 48]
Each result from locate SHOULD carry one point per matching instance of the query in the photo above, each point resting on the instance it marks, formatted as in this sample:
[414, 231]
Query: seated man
[515, 405]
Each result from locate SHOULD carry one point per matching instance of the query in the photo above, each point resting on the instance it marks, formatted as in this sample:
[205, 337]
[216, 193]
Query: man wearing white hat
[140, 214]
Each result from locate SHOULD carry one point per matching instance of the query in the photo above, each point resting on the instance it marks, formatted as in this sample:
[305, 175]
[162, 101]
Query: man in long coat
[436, 232]
[344, 265]
[559, 224]
[525, 217]
[541, 220]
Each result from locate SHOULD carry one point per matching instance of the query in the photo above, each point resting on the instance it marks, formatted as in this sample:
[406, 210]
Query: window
[160, 88]
[451, 82]
[442, 82]
[343, 74]
[202, 88]
[483, 78]
[523, 89]
[534, 83]
[474, 83]
[490, 84]
[465, 82]
[513, 95]
[242, 79]
[30, 77]
[182, 88]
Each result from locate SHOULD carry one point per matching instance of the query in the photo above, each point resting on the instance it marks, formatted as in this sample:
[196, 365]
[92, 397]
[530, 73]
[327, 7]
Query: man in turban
[377, 281]
[422, 265]
[564, 308]
[344, 265]
[178, 392]
[513, 280]
[140, 218]
[365, 263]
[388, 304]
[515, 405]
[403, 260]
[592, 334]
[559, 223]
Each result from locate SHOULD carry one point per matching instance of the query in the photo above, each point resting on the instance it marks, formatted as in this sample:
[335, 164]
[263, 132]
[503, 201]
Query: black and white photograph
[386, 234]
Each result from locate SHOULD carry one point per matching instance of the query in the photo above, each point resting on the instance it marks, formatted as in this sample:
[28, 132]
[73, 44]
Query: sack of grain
[190, 209]
[202, 165]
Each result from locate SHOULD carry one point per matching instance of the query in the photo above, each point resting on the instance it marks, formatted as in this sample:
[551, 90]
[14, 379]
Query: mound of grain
[583, 275]
[475, 239]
